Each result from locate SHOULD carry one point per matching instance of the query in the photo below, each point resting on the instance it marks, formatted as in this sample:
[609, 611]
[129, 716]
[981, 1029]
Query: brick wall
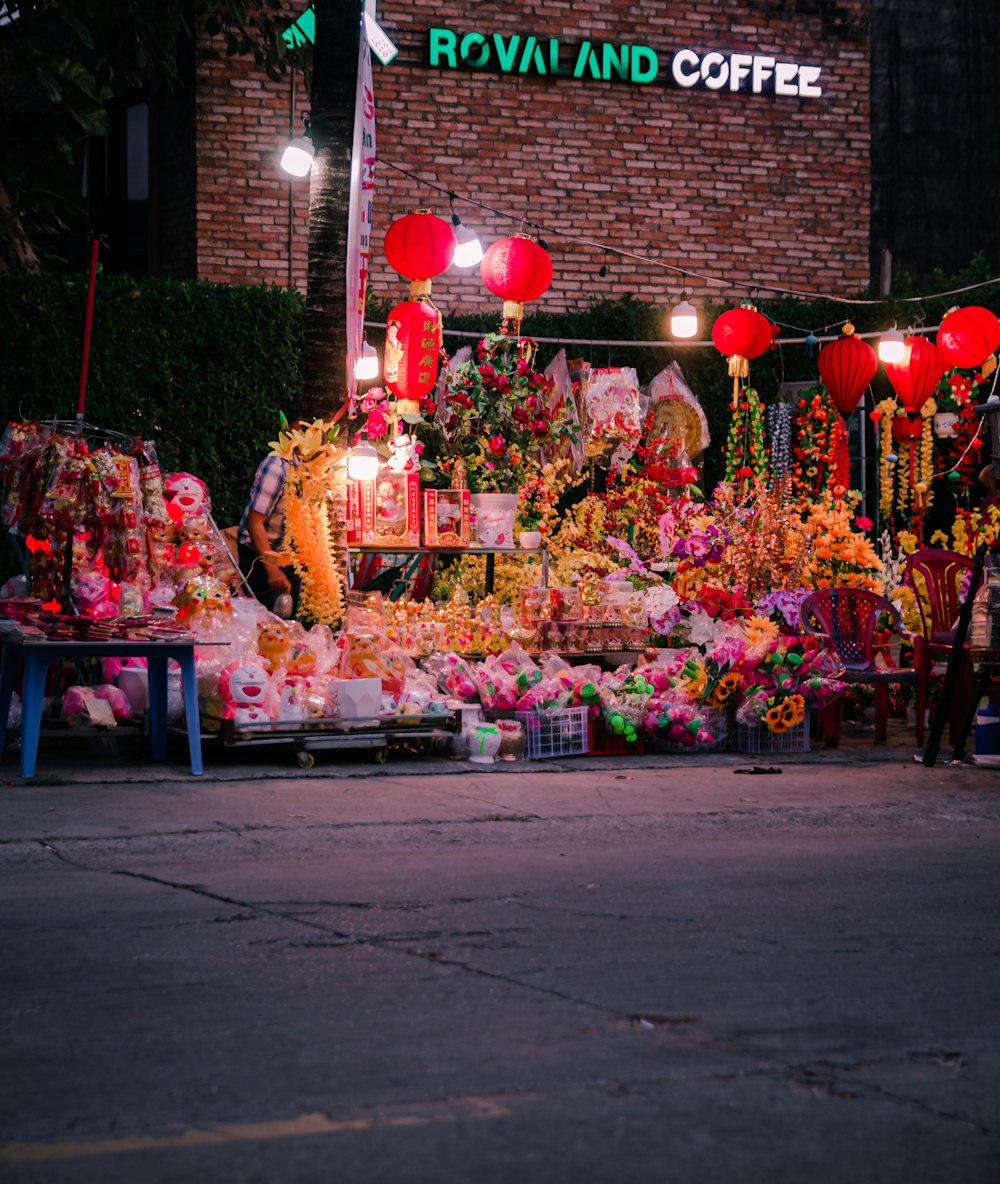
[752, 189]
[244, 231]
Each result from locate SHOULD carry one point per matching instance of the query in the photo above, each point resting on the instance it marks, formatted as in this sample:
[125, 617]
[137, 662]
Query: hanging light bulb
[468, 248]
[362, 462]
[891, 347]
[683, 318]
[366, 366]
[297, 159]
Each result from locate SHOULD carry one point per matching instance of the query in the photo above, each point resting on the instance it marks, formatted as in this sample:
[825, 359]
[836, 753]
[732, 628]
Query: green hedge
[202, 369]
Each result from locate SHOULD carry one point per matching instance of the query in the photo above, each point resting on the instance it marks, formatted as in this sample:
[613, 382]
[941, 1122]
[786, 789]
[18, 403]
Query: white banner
[359, 219]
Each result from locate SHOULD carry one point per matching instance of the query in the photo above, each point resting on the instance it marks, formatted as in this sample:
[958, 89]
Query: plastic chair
[847, 620]
[938, 578]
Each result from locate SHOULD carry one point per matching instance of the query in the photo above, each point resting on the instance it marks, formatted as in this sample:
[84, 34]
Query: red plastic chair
[939, 579]
[847, 619]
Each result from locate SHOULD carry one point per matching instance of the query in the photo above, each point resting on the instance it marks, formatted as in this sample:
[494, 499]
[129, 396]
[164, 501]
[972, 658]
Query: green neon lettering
[644, 73]
[581, 59]
[554, 66]
[586, 59]
[612, 59]
[470, 40]
[506, 53]
[532, 56]
[443, 46]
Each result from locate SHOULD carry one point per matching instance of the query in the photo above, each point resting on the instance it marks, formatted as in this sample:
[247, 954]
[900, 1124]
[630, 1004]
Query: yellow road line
[305, 1126]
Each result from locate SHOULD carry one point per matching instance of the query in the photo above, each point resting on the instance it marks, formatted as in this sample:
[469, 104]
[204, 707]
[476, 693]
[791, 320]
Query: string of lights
[674, 269]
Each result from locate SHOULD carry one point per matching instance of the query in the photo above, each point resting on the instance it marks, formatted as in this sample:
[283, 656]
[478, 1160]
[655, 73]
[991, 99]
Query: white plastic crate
[555, 733]
[714, 720]
[752, 739]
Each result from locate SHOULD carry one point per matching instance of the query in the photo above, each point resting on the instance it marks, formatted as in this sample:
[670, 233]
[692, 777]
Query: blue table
[37, 654]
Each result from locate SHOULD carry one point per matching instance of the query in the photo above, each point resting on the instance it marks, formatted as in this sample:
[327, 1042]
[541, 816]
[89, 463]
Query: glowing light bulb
[683, 320]
[297, 159]
[362, 462]
[891, 346]
[366, 366]
[468, 249]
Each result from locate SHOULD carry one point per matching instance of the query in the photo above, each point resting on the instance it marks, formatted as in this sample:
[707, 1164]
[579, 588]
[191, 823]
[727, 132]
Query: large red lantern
[916, 377]
[968, 336]
[517, 269]
[419, 246]
[412, 344]
[846, 367]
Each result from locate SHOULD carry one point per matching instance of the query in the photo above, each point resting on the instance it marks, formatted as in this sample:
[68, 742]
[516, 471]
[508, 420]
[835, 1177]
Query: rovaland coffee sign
[601, 61]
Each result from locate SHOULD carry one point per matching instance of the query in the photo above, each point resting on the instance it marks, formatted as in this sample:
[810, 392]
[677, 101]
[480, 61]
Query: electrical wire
[674, 269]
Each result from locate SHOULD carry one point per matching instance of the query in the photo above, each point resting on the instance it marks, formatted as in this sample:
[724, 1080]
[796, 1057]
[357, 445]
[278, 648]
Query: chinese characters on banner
[359, 220]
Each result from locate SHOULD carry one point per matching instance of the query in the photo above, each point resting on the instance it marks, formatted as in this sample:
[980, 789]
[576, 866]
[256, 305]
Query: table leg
[982, 682]
[189, 684]
[8, 671]
[156, 666]
[32, 692]
[545, 567]
[489, 573]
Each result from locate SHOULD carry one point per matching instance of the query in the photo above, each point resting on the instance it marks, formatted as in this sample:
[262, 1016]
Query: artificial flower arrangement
[497, 415]
[792, 674]
[538, 497]
[839, 552]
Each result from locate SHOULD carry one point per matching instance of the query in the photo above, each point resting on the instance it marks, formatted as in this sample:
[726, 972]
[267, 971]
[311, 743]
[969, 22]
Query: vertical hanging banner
[359, 219]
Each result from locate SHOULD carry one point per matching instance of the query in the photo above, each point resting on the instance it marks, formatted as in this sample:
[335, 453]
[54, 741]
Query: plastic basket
[556, 733]
[714, 720]
[756, 738]
[602, 741]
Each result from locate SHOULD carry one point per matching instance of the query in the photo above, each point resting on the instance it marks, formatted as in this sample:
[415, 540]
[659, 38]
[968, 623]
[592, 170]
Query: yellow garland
[315, 515]
[887, 409]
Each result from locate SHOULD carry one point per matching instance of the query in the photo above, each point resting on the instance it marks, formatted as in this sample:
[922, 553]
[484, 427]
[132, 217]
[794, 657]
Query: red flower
[497, 445]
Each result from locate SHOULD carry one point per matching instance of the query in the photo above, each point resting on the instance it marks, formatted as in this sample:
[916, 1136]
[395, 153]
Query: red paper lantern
[419, 246]
[412, 343]
[846, 367]
[743, 332]
[916, 377]
[968, 336]
[517, 269]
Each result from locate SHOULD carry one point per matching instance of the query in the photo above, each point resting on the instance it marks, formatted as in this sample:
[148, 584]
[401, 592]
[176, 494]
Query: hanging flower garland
[840, 461]
[882, 416]
[814, 418]
[779, 430]
[746, 452]
[315, 516]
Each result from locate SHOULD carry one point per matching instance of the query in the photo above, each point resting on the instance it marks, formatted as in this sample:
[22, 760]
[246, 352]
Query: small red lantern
[517, 269]
[968, 336]
[846, 367]
[412, 344]
[740, 334]
[916, 377]
[419, 246]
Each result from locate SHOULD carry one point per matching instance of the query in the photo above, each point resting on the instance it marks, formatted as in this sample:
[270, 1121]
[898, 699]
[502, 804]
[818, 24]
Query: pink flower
[863, 523]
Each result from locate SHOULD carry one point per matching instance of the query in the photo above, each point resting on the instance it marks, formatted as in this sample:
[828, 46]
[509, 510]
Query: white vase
[483, 740]
[494, 514]
[530, 540]
[945, 423]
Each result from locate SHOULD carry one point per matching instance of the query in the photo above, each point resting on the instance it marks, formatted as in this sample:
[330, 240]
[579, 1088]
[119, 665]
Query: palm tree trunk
[335, 61]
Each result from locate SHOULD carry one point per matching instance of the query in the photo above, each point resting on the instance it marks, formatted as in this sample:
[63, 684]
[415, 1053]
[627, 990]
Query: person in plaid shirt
[261, 537]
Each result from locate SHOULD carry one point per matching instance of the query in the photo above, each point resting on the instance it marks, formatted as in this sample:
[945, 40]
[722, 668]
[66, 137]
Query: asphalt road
[659, 973]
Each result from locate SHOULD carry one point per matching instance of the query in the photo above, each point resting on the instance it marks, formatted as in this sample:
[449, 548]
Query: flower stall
[559, 582]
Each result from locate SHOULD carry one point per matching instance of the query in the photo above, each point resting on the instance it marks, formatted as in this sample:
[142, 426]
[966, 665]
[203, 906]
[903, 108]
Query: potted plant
[953, 393]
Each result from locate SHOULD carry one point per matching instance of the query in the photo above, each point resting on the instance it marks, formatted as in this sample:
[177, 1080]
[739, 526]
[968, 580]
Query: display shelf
[489, 552]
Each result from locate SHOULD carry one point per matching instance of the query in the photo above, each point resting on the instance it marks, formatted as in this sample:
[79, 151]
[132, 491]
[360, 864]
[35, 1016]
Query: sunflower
[724, 689]
[774, 718]
[793, 710]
